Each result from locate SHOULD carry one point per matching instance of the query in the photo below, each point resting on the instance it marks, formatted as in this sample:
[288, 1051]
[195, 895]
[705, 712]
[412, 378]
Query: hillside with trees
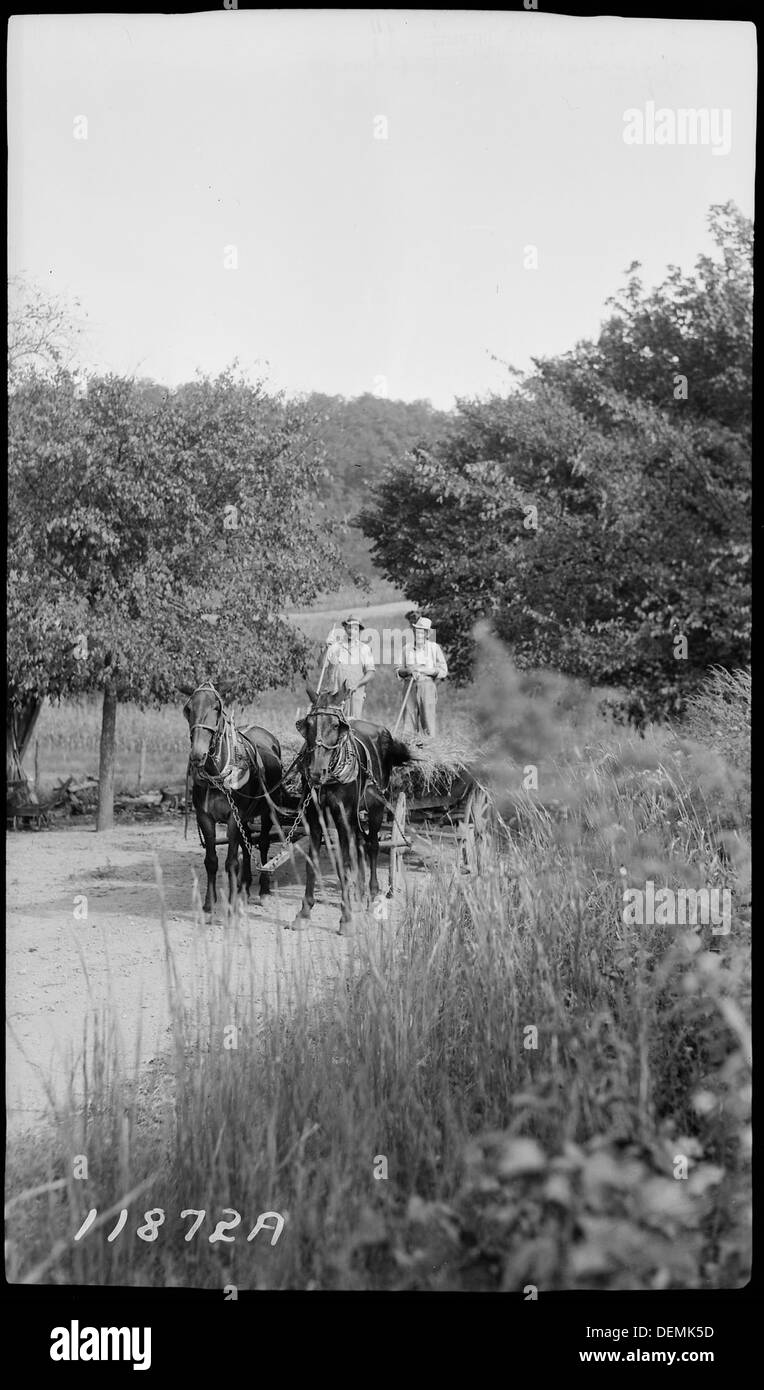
[363, 439]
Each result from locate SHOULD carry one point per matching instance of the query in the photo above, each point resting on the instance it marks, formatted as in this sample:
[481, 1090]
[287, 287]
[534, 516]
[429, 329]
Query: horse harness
[351, 759]
[235, 768]
[351, 762]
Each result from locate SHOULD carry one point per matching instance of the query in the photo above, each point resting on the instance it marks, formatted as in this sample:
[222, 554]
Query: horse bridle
[211, 728]
[358, 748]
[338, 713]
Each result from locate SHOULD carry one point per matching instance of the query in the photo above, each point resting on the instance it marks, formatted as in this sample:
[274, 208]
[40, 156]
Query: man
[349, 659]
[424, 665]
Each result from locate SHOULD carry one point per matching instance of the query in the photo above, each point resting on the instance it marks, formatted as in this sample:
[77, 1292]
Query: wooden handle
[403, 706]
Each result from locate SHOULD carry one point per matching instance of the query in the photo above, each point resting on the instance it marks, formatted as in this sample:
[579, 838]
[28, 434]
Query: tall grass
[719, 714]
[511, 1086]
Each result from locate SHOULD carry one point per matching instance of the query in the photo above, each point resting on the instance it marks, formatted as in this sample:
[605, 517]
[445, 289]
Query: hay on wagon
[436, 765]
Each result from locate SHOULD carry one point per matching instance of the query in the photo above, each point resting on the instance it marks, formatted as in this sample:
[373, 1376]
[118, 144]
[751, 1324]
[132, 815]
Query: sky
[342, 200]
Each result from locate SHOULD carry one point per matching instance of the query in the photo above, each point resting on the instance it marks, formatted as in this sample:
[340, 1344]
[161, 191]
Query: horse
[234, 774]
[346, 768]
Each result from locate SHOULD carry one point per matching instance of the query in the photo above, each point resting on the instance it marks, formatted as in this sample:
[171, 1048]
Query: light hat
[423, 623]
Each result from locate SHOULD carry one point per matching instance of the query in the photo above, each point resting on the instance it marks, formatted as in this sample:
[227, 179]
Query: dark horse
[246, 761]
[346, 769]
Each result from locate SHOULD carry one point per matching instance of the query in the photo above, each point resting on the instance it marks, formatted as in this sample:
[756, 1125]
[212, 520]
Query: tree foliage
[131, 518]
[599, 513]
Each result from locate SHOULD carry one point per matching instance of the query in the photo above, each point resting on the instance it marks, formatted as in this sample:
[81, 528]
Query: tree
[42, 333]
[698, 326]
[43, 330]
[599, 513]
[132, 516]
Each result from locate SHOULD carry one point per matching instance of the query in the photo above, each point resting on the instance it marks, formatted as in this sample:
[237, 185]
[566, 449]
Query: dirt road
[62, 964]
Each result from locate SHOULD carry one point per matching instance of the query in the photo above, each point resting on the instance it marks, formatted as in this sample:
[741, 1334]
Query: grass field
[517, 1087]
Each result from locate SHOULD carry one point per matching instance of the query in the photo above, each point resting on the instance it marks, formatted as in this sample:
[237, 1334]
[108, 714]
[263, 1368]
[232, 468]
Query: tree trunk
[13, 768]
[20, 724]
[108, 750]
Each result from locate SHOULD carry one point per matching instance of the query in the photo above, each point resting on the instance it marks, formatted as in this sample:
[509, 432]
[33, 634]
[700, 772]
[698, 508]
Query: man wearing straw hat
[349, 659]
[423, 665]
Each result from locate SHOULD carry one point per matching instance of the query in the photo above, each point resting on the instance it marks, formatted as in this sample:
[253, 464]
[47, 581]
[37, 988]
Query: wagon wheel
[397, 842]
[479, 823]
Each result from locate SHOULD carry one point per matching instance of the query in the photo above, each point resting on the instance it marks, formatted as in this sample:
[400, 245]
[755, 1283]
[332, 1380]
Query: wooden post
[323, 673]
[37, 764]
[141, 765]
[397, 841]
[326, 658]
[409, 684]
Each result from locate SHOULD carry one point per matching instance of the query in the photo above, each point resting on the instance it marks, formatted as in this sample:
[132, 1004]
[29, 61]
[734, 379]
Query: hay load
[436, 765]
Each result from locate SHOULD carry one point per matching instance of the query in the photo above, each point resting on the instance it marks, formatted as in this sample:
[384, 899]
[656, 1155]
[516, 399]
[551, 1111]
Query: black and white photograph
[378, 868]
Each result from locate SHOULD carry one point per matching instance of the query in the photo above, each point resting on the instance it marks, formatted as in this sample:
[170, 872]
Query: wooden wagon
[24, 807]
[427, 825]
[457, 812]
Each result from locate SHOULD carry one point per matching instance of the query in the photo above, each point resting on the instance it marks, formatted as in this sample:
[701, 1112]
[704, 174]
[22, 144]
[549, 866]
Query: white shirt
[356, 655]
[427, 660]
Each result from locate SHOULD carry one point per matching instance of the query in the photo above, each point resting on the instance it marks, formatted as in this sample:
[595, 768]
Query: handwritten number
[217, 1234]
